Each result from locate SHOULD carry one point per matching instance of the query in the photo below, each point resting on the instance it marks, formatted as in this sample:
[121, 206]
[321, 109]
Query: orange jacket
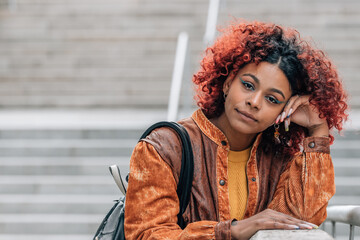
[300, 187]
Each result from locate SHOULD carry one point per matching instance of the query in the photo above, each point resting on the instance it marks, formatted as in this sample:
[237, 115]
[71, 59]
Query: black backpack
[112, 227]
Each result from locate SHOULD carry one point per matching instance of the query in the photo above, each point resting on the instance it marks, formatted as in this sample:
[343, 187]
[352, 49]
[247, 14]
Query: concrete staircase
[93, 53]
[107, 53]
[55, 183]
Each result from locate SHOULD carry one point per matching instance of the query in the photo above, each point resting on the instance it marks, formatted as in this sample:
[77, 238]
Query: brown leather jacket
[300, 187]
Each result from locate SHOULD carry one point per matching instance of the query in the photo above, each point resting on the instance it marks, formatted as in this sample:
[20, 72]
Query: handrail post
[348, 214]
[177, 77]
[333, 230]
[352, 232]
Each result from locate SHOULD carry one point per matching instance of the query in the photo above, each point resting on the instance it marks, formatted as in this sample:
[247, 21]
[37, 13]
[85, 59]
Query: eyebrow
[258, 82]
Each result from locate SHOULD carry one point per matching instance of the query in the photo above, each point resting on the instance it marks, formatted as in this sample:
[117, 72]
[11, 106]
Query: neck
[238, 141]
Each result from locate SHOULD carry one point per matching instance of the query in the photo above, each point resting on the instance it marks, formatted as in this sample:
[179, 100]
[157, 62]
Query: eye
[273, 100]
[247, 85]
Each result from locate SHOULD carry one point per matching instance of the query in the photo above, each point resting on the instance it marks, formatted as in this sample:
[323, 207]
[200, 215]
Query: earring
[225, 95]
[276, 134]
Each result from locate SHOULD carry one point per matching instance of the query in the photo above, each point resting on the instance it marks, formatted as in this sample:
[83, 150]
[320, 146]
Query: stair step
[70, 170]
[339, 199]
[24, 134]
[348, 185]
[70, 147]
[50, 223]
[91, 73]
[51, 179]
[345, 148]
[62, 161]
[347, 167]
[62, 165]
[56, 204]
[46, 236]
[42, 184]
[83, 120]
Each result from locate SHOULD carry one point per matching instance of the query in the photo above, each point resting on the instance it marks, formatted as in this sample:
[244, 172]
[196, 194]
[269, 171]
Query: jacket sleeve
[307, 184]
[152, 203]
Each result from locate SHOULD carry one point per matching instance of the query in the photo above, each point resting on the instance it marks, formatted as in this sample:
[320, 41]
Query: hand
[267, 219]
[300, 111]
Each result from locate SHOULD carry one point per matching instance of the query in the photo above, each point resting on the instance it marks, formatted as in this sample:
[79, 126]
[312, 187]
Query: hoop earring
[277, 134]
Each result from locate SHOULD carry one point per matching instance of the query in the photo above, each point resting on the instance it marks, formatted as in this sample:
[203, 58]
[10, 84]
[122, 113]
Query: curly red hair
[248, 42]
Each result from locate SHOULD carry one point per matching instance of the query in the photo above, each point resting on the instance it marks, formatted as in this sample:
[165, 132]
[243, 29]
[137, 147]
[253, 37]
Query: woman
[260, 140]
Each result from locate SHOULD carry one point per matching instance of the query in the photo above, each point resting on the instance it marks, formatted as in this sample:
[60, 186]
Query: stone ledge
[291, 235]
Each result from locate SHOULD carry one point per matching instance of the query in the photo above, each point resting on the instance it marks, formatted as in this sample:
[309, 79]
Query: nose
[254, 101]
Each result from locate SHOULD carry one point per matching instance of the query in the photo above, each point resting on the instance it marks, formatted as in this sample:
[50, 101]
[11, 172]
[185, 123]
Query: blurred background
[81, 79]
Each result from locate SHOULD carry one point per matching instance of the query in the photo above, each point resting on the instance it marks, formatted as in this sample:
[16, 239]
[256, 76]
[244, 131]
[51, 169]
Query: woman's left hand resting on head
[299, 110]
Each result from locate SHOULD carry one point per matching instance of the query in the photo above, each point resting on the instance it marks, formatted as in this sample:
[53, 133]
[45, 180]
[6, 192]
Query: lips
[247, 115]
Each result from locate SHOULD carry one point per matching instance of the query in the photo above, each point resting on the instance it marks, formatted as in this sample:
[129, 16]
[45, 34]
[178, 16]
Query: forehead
[269, 75]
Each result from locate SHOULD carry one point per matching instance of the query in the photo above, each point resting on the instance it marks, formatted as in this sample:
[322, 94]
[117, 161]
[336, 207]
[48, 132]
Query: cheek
[271, 115]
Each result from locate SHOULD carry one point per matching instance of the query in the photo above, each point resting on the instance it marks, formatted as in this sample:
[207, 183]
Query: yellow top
[238, 190]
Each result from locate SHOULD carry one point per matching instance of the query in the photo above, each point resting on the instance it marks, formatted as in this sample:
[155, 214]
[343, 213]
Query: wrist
[319, 130]
[232, 229]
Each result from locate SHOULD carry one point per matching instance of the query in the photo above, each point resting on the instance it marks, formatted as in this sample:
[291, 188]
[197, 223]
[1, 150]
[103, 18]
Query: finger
[278, 225]
[287, 219]
[303, 100]
[287, 124]
[304, 224]
[289, 107]
[310, 224]
[278, 119]
[293, 221]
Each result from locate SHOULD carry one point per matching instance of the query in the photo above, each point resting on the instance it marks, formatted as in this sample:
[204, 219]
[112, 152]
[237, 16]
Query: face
[255, 97]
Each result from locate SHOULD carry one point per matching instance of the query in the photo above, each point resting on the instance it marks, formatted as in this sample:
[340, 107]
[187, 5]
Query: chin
[243, 128]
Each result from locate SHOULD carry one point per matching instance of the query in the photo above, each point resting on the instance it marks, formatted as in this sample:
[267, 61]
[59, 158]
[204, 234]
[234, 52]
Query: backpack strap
[187, 165]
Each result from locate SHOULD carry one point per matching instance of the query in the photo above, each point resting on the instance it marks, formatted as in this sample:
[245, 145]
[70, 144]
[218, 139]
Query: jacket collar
[214, 133]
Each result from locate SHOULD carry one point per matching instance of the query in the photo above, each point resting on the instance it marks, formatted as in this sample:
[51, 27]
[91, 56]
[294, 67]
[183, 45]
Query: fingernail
[306, 226]
[286, 123]
[282, 116]
[313, 225]
[294, 226]
[290, 112]
[277, 119]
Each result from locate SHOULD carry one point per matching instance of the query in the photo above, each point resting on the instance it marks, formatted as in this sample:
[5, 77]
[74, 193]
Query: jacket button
[311, 145]
[222, 182]
[253, 179]
[223, 143]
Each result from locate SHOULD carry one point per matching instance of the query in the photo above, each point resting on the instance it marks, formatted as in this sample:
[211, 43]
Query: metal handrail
[349, 214]
[181, 58]
[179, 67]
[213, 12]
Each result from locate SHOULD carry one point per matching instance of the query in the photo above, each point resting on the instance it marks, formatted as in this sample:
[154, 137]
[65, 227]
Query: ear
[227, 83]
